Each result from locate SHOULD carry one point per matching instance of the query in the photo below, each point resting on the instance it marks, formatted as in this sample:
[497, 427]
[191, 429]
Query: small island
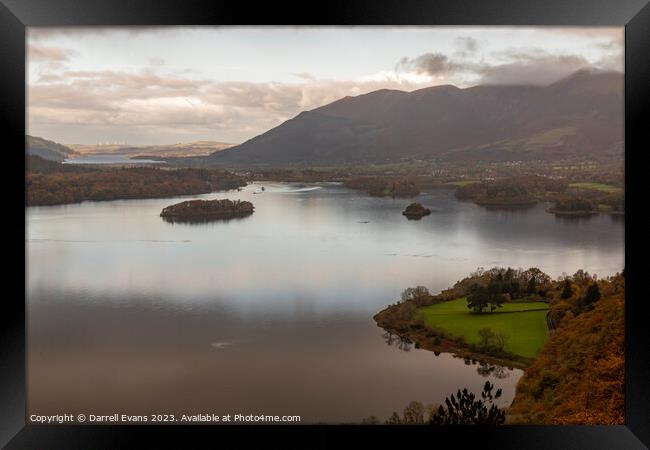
[415, 211]
[205, 210]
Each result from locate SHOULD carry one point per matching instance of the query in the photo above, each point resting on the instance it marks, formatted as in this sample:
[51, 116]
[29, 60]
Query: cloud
[158, 105]
[49, 54]
[432, 64]
[467, 44]
[156, 62]
[305, 76]
[531, 66]
[71, 106]
[438, 66]
[79, 32]
[615, 34]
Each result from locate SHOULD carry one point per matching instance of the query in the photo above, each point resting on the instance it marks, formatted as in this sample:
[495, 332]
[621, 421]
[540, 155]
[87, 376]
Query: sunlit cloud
[149, 88]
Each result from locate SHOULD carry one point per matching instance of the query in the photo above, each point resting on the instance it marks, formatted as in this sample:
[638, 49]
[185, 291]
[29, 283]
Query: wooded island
[199, 210]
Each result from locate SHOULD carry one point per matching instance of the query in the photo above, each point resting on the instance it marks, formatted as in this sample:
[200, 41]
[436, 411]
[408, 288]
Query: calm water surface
[270, 314]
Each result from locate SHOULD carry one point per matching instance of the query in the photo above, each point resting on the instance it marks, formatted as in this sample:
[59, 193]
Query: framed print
[363, 218]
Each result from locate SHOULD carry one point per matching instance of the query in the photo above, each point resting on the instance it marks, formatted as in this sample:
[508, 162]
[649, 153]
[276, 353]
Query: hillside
[187, 149]
[581, 115]
[36, 146]
[579, 375]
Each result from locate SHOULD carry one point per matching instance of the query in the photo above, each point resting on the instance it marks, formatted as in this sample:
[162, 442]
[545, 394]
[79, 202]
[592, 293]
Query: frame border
[16, 15]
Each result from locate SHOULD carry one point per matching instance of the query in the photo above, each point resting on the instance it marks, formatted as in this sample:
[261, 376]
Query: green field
[524, 324]
[597, 187]
[462, 183]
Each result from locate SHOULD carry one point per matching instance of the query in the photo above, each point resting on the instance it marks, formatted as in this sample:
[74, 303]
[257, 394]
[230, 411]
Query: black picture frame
[16, 15]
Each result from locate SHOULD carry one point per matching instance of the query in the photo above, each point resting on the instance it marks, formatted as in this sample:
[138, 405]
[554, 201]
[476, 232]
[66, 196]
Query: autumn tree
[534, 279]
[418, 294]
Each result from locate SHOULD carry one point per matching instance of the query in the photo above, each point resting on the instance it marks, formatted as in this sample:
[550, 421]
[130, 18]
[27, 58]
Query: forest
[53, 184]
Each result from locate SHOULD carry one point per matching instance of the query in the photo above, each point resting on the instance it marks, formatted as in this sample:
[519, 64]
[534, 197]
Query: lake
[269, 314]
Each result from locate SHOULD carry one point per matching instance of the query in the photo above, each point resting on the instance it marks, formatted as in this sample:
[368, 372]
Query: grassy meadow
[597, 187]
[523, 323]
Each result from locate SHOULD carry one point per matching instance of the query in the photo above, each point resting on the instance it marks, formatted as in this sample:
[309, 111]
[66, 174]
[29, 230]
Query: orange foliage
[579, 375]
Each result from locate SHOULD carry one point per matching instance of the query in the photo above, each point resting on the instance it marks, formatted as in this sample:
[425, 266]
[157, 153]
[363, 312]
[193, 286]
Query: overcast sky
[177, 84]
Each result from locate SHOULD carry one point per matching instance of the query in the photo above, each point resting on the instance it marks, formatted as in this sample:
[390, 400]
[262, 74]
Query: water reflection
[486, 370]
[402, 343]
[512, 209]
[575, 218]
[201, 220]
[268, 314]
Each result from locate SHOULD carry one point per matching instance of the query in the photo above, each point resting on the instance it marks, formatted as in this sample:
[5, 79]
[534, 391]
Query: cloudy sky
[178, 84]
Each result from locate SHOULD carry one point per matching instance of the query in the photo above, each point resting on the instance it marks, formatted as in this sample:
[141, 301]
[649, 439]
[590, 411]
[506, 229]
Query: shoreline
[517, 204]
[559, 212]
[424, 338]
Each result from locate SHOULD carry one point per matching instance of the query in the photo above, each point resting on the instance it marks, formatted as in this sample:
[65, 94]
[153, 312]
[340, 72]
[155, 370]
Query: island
[207, 210]
[415, 211]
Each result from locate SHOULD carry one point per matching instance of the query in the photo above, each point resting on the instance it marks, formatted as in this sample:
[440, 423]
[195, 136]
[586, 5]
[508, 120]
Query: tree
[477, 299]
[500, 340]
[487, 336]
[406, 311]
[495, 294]
[413, 413]
[592, 295]
[418, 294]
[535, 278]
[394, 419]
[466, 409]
[372, 420]
[531, 286]
[566, 289]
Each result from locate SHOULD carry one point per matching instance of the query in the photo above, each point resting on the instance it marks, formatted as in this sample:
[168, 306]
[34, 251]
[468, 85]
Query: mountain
[196, 148]
[580, 115]
[36, 146]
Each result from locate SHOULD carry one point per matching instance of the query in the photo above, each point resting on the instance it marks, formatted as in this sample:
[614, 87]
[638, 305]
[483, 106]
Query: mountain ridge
[579, 115]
